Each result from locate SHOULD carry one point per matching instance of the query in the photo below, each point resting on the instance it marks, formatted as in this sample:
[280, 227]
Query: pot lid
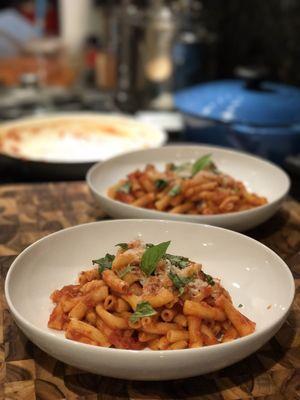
[237, 101]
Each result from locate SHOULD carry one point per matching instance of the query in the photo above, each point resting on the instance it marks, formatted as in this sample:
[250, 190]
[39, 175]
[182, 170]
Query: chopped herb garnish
[152, 256]
[104, 262]
[124, 246]
[160, 184]
[125, 188]
[148, 245]
[209, 279]
[143, 309]
[240, 306]
[177, 261]
[201, 163]
[174, 191]
[179, 282]
[125, 271]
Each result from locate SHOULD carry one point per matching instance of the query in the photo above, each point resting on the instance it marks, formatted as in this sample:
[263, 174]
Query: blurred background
[209, 71]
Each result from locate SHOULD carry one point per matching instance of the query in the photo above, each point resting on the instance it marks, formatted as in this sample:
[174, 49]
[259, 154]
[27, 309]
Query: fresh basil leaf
[104, 262]
[151, 257]
[124, 246]
[201, 163]
[160, 184]
[125, 271]
[174, 191]
[175, 279]
[143, 309]
[178, 261]
[125, 188]
[179, 282]
[209, 279]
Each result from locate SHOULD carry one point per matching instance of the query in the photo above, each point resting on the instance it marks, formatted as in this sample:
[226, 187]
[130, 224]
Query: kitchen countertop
[31, 211]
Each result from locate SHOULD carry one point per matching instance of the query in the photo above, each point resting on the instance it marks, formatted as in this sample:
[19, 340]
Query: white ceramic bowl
[254, 275]
[260, 176]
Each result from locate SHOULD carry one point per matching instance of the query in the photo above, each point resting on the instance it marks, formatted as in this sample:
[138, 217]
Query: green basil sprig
[160, 184]
[209, 279]
[180, 282]
[177, 261]
[201, 163]
[152, 256]
[104, 262]
[143, 309]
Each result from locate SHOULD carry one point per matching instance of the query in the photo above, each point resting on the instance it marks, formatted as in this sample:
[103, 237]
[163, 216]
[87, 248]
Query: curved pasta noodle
[78, 311]
[95, 296]
[114, 282]
[91, 285]
[111, 320]
[203, 310]
[182, 344]
[121, 305]
[174, 335]
[82, 331]
[147, 337]
[163, 297]
[241, 323]
[91, 317]
[132, 299]
[110, 302]
[194, 329]
[160, 328]
[130, 278]
[208, 335]
[181, 320]
[163, 343]
[123, 259]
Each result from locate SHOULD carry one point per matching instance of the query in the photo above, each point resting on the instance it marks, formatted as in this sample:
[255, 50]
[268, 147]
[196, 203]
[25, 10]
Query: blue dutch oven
[255, 116]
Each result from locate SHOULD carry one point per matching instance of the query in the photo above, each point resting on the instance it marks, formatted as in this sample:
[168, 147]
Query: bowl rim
[60, 339]
[162, 135]
[189, 218]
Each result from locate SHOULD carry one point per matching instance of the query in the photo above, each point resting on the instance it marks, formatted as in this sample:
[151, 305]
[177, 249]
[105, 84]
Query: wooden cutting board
[29, 212]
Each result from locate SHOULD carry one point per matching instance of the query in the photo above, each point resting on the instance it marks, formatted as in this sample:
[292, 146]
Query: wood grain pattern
[29, 212]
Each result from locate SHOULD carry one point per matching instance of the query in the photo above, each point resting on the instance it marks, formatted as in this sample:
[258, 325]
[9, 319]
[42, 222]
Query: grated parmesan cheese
[196, 286]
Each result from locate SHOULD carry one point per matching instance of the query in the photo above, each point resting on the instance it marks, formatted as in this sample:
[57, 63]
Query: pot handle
[253, 76]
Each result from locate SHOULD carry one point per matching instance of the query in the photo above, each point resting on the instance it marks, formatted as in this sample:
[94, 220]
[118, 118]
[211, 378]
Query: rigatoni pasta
[167, 303]
[189, 188]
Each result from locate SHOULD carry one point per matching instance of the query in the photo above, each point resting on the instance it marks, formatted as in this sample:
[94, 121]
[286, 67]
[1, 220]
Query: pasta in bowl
[187, 188]
[233, 190]
[255, 277]
[143, 297]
